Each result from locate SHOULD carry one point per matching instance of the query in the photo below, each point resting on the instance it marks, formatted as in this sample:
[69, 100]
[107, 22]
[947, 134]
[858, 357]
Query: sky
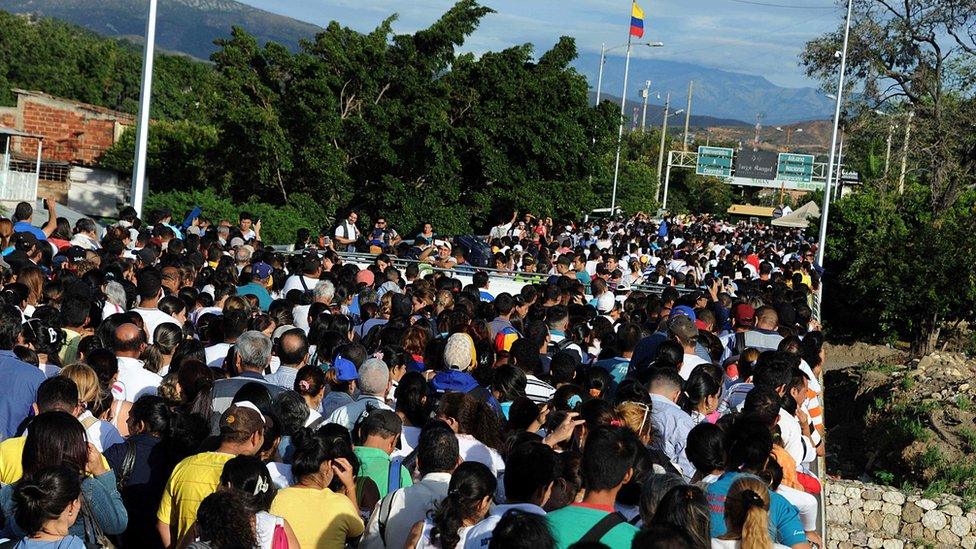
[762, 37]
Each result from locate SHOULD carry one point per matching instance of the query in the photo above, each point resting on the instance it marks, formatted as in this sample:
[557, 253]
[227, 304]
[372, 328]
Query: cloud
[714, 33]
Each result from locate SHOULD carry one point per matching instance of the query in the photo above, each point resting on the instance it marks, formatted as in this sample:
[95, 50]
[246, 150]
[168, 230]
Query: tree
[914, 55]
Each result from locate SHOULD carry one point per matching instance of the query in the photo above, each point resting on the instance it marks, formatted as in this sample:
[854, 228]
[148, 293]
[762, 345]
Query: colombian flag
[636, 21]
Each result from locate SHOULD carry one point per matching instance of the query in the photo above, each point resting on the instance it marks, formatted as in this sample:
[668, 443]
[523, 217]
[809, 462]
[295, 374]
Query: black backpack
[479, 253]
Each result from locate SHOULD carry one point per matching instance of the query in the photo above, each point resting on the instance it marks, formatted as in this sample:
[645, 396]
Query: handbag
[95, 538]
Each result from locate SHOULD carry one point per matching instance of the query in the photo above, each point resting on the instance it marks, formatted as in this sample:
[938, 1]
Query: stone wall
[868, 515]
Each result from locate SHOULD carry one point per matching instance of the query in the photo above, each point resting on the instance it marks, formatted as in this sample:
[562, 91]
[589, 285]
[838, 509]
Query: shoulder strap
[740, 342]
[317, 423]
[393, 480]
[386, 507]
[128, 462]
[601, 528]
[88, 422]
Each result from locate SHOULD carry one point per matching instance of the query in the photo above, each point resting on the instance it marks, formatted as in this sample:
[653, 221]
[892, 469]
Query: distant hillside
[654, 113]
[718, 93]
[810, 137]
[188, 26]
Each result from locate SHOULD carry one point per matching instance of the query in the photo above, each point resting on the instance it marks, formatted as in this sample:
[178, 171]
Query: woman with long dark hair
[48, 504]
[413, 407]
[469, 496]
[477, 428]
[58, 438]
[319, 516]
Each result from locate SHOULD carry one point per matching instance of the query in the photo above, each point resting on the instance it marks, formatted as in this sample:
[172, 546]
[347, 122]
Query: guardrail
[498, 280]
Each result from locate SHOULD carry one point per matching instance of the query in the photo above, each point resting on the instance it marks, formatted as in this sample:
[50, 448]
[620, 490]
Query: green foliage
[279, 222]
[964, 403]
[67, 61]
[178, 155]
[884, 477]
[896, 269]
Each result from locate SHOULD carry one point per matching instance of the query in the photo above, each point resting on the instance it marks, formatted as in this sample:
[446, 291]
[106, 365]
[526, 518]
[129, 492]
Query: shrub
[278, 223]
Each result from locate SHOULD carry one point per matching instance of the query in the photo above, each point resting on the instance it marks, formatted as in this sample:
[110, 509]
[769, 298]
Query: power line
[787, 6]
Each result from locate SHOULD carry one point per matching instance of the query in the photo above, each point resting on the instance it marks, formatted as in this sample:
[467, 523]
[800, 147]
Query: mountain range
[716, 92]
[185, 26]
[191, 26]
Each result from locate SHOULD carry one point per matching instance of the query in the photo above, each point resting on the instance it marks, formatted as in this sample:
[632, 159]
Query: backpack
[479, 253]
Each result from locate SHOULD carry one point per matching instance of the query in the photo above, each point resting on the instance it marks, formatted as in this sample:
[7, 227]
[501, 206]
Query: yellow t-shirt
[193, 479]
[11, 457]
[321, 519]
[12, 460]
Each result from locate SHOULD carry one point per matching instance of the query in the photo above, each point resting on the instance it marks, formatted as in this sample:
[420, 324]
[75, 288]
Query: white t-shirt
[101, 434]
[294, 282]
[409, 438]
[134, 381]
[281, 474]
[736, 544]
[472, 449]
[153, 318]
[479, 535]
[216, 354]
[688, 364]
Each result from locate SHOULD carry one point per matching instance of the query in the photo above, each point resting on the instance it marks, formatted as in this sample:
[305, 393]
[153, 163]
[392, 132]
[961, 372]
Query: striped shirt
[538, 391]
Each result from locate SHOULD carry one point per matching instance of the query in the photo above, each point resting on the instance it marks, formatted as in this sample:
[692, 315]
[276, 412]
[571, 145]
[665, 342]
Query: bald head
[766, 318]
[130, 341]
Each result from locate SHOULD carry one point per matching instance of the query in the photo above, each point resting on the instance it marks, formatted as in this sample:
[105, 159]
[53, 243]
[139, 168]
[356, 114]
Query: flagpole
[145, 98]
[620, 130]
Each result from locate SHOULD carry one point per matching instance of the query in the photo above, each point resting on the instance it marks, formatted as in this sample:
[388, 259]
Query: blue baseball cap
[345, 369]
[683, 310]
[261, 270]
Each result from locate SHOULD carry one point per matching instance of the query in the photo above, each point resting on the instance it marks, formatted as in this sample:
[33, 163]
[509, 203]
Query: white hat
[605, 303]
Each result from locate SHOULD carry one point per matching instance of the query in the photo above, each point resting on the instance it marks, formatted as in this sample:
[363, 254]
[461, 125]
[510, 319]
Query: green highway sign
[795, 167]
[715, 161]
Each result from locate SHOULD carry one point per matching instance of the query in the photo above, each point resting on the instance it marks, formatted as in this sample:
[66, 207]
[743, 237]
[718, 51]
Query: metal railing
[496, 277]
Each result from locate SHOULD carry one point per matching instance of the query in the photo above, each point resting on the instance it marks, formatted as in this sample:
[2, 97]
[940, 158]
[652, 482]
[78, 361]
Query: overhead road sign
[714, 161]
[795, 167]
[756, 164]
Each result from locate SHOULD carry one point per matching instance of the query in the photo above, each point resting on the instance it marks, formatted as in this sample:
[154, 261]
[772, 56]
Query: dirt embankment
[907, 423]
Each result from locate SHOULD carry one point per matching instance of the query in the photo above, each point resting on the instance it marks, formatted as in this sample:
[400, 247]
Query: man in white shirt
[323, 292]
[503, 229]
[233, 324]
[395, 514]
[530, 471]
[682, 329]
[307, 279]
[374, 384]
[133, 380]
[149, 288]
[346, 233]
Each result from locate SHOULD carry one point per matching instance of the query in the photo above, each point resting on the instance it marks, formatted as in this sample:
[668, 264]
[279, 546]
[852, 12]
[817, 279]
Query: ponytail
[43, 496]
[747, 512]
[470, 484]
[755, 528]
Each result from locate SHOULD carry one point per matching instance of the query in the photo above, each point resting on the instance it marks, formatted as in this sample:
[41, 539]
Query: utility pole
[664, 133]
[145, 98]
[904, 153]
[759, 117]
[599, 81]
[891, 132]
[620, 132]
[840, 163]
[822, 241]
[684, 144]
[644, 94]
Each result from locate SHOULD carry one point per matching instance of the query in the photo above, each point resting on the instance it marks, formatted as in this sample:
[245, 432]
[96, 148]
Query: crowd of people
[182, 384]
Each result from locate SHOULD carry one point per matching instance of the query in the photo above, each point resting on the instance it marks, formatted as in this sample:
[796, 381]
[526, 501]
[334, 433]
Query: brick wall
[73, 132]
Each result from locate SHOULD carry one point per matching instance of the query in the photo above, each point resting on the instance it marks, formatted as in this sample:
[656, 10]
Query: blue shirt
[487, 297]
[284, 377]
[20, 383]
[617, 367]
[25, 227]
[671, 426]
[258, 291]
[784, 519]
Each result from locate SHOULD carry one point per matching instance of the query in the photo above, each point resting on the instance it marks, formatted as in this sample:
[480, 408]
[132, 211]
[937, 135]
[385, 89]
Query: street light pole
[684, 144]
[620, 132]
[145, 98]
[891, 133]
[644, 94]
[599, 80]
[664, 132]
[833, 150]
